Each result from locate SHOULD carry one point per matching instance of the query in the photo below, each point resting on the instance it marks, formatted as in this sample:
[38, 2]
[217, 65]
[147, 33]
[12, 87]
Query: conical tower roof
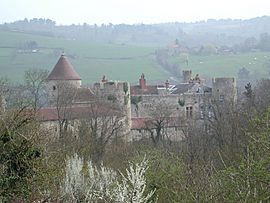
[63, 70]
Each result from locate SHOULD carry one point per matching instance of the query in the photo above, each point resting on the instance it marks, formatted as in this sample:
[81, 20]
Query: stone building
[147, 109]
[69, 101]
[187, 103]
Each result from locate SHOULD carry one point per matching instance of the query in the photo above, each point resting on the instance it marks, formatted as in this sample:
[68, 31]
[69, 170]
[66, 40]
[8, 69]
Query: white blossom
[102, 183]
[74, 184]
[132, 186]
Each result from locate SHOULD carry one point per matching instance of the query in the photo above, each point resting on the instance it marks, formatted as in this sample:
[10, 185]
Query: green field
[116, 61]
[226, 65]
[91, 61]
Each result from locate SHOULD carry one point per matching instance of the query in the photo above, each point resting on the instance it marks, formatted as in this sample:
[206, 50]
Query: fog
[130, 11]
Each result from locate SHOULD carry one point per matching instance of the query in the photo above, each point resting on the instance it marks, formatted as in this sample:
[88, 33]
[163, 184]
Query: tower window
[54, 88]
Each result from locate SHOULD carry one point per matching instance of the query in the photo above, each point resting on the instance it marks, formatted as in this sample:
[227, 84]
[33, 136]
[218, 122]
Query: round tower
[63, 72]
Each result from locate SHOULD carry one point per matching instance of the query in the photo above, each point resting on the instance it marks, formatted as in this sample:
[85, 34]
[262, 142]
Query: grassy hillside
[226, 65]
[91, 61]
[117, 62]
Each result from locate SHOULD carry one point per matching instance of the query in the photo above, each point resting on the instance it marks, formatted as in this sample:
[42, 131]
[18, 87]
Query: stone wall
[177, 103]
[169, 133]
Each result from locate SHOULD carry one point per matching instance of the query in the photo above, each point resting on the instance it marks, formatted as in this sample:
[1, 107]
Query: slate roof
[63, 70]
[190, 87]
[182, 88]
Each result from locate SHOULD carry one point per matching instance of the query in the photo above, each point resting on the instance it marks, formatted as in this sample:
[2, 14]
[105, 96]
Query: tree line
[218, 32]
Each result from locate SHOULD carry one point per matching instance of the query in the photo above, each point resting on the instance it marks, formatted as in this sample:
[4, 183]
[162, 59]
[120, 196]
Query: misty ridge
[218, 32]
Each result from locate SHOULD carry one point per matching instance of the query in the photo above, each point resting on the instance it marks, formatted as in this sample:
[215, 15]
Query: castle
[146, 109]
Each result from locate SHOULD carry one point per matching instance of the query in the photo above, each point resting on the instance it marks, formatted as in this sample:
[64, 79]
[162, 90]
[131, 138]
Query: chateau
[144, 110]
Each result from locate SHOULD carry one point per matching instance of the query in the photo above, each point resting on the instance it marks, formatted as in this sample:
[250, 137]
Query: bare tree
[160, 114]
[223, 131]
[63, 98]
[103, 123]
[35, 82]
[13, 95]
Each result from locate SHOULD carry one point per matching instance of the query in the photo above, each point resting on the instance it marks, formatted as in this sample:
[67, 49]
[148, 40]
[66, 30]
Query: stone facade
[185, 103]
[190, 101]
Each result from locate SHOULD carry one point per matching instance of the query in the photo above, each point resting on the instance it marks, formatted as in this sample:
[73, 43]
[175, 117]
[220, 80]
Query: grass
[91, 61]
[226, 65]
[116, 61]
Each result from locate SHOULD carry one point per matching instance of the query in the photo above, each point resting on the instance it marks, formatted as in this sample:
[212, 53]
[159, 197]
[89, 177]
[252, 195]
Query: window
[202, 111]
[189, 111]
[54, 88]
[148, 105]
[211, 114]
[201, 114]
[221, 97]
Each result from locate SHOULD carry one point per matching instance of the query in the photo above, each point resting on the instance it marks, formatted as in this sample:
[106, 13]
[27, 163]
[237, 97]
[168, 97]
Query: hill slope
[91, 61]
[116, 61]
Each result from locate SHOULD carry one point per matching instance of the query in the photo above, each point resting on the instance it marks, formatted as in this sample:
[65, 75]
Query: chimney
[197, 79]
[142, 82]
[167, 84]
[187, 76]
[104, 80]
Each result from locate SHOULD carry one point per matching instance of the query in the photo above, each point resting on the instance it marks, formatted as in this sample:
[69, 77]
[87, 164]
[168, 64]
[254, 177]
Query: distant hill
[219, 32]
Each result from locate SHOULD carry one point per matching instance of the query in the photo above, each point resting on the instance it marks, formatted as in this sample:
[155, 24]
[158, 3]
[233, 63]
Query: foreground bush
[19, 156]
[101, 184]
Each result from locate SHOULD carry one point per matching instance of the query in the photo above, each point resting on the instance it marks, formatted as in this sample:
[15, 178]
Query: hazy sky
[131, 11]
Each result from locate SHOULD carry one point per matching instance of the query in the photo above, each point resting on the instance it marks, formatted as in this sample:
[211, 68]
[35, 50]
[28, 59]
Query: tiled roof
[63, 70]
[47, 114]
[51, 114]
[78, 112]
[138, 123]
[149, 90]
